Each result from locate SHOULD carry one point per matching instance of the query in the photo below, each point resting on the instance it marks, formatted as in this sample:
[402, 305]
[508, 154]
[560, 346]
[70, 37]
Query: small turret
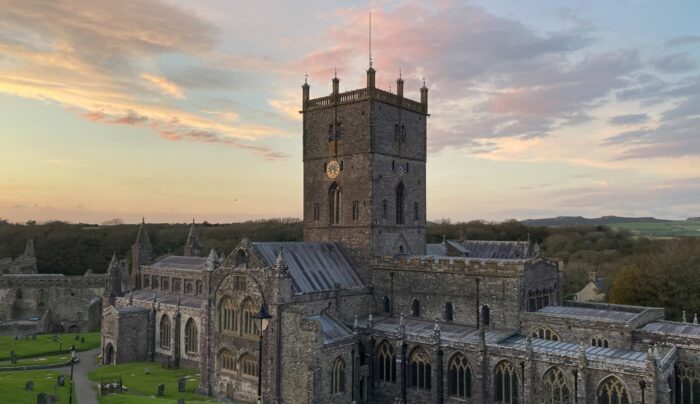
[113, 286]
[336, 85]
[424, 97]
[305, 93]
[193, 248]
[29, 250]
[371, 77]
[141, 254]
[399, 86]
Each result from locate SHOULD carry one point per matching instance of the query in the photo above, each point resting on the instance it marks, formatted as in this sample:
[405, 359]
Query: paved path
[84, 389]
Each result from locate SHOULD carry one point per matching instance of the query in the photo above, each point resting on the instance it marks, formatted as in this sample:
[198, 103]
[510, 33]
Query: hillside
[640, 226]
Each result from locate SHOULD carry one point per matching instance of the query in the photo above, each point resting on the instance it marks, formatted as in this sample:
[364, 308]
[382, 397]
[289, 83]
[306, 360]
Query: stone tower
[364, 169]
[192, 247]
[141, 254]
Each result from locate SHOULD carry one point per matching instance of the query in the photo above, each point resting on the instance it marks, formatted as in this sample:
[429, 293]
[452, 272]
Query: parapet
[427, 263]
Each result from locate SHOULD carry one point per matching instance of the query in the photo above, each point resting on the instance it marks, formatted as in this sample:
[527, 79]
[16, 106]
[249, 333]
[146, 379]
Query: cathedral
[364, 310]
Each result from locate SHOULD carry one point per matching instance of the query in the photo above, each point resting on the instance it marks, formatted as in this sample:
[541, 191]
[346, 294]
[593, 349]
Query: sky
[173, 110]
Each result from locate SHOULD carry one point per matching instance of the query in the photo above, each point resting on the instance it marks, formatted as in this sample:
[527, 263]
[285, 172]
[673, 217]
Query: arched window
[248, 312]
[165, 332]
[399, 203]
[249, 366]
[506, 383]
[601, 343]
[386, 303]
[687, 385]
[556, 387]
[334, 204]
[385, 210]
[485, 315]
[227, 315]
[387, 362]
[165, 285]
[613, 391]
[415, 308]
[227, 361]
[449, 315]
[189, 287]
[459, 377]
[362, 353]
[191, 337]
[338, 376]
[240, 258]
[419, 369]
[543, 332]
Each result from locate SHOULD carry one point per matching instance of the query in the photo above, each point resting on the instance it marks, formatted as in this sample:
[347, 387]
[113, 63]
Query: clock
[332, 169]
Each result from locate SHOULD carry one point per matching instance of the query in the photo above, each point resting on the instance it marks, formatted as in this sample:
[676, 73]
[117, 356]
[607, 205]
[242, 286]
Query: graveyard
[30, 346]
[24, 387]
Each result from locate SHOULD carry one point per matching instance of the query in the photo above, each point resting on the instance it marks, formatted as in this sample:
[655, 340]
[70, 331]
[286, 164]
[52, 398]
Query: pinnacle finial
[143, 220]
[399, 73]
[423, 81]
[306, 77]
[335, 72]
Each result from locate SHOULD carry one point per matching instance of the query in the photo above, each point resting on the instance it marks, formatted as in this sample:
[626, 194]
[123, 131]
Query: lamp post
[642, 386]
[262, 319]
[72, 360]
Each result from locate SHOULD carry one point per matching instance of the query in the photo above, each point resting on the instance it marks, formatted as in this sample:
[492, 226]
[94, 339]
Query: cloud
[679, 62]
[683, 40]
[95, 61]
[164, 85]
[629, 119]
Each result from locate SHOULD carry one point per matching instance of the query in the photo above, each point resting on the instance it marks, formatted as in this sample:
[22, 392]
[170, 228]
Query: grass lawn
[675, 228]
[142, 386]
[39, 360]
[43, 345]
[12, 386]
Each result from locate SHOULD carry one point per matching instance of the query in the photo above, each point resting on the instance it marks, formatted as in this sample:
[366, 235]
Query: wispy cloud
[164, 85]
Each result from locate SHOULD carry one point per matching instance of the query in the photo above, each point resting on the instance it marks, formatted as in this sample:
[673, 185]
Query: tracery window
[191, 337]
[543, 332]
[419, 371]
[687, 385]
[177, 285]
[600, 342]
[387, 362]
[164, 331]
[199, 287]
[415, 308]
[399, 203]
[189, 288]
[248, 325]
[334, 201]
[449, 315]
[506, 383]
[538, 299]
[338, 376]
[556, 387]
[459, 377]
[613, 391]
[249, 366]
[227, 315]
[227, 361]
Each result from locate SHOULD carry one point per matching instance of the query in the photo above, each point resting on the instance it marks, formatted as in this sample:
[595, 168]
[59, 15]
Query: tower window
[399, 204]
[334, 204]
[385, 210]
[396, 132]
[393, 165]
[317, 212]
[403, 134]
[415, 308]
[416, 213]
[406, 167]
[355, 210]
[330, 132]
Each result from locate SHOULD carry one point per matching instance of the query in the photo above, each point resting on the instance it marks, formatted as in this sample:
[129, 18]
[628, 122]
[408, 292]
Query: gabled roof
[313, 266]
[180, 262]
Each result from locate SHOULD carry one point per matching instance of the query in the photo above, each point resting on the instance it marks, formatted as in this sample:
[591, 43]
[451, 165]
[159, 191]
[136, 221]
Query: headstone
[16, 337]
[77, 337]
[61, 380]
[147, 371]
[82, 340]
[41, 398]
[13, 357]
[29, 385]
[161, 390]
[50, 399]
[181, 383]
[55, 337]
[180, 401]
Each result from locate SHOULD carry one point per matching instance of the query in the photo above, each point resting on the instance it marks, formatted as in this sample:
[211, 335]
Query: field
[43, 345]
[142, 387]
[673, 228]
[12, 386]
[38, 360]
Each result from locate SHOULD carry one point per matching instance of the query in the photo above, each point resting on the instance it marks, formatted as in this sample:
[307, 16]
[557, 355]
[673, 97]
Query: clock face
[332, 169]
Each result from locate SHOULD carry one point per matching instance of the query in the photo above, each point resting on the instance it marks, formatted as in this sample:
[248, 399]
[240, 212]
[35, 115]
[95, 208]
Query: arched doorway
[109, 355]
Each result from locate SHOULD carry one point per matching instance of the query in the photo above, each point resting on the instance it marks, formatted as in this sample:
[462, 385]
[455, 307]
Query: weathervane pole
[370, 39]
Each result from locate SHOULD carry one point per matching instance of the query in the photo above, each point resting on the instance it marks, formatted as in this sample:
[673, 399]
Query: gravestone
[29, 385]
[61, 380]
[77, 337]
[180, 401]
[55, 337]
[82, 340]
[13, 357]
[181, 383]
[161, 390]
[51, 399]
[41, 398]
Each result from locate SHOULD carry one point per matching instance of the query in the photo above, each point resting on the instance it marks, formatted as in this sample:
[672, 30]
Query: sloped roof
[180, 262]
[436, 249]
[673, 328]
[331, 328]
[313, 266]
[483, 249]
[588, 313]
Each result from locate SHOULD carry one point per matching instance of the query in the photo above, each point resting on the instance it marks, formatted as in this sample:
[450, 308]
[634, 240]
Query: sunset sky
[174, 110]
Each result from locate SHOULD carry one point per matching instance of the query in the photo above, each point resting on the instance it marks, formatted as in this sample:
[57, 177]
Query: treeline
[642, 271]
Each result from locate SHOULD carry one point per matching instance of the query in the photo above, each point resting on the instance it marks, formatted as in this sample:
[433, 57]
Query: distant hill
[641, 226]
